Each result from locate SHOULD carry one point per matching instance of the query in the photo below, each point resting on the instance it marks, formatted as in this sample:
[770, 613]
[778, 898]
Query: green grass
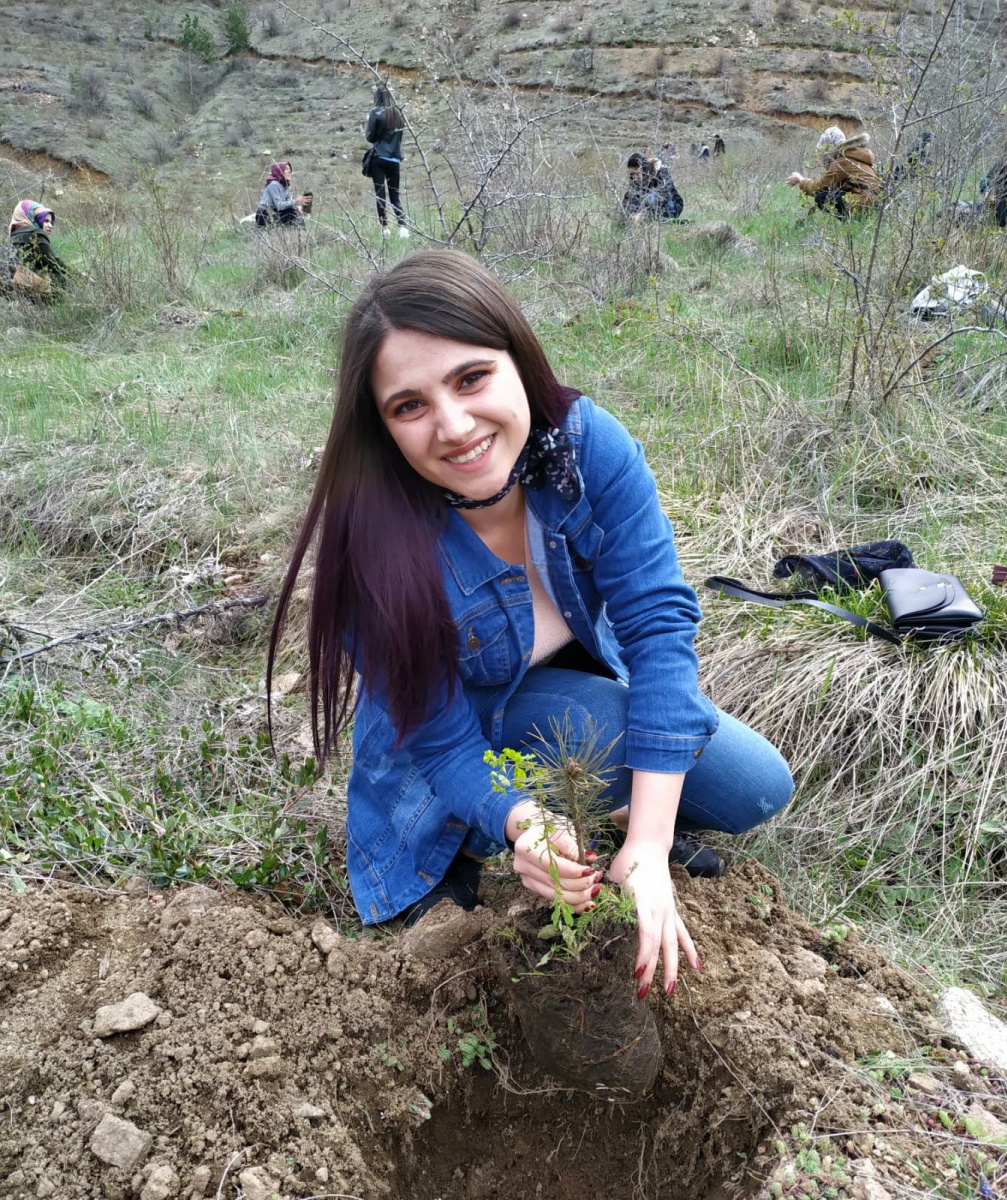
[157, 446]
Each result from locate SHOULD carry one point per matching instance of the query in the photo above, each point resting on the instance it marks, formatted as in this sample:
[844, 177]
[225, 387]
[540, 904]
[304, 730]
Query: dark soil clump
[581, 1018]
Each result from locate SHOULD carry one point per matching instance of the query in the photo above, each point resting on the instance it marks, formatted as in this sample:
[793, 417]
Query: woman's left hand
[642, 869]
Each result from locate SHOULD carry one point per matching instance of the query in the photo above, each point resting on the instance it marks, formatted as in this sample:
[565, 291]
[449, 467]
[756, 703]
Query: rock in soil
[119, 1143]
[968, 1020]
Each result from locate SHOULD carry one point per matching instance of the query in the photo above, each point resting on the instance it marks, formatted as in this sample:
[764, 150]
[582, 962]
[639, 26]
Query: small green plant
[568, 785]
[472, 1045]
[388, 1058]
[808, 1166]
[835, 933]
[762, 901]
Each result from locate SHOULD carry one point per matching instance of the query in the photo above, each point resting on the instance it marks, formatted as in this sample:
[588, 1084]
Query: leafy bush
[236, 31]
[195, 38]
[89, 90]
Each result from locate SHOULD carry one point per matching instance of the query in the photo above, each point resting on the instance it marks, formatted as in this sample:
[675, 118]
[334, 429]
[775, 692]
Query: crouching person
[651, 192]
[35, 269]
[276, 205]
[849, 183]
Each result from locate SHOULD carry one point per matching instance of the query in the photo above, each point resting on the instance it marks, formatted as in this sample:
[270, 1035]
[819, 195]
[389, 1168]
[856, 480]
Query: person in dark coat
[994, 190]
[916, 160]
[384, 132]
[30, 226]
[276, 205]
[660, 180]
[719, 145]
[651, 192]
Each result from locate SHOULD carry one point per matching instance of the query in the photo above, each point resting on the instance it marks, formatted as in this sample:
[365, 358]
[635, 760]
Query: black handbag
[922, 605]
[928, 606]
[365, 162]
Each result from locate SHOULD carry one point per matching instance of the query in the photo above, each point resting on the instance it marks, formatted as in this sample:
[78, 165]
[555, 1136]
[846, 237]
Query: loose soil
[288, 1059]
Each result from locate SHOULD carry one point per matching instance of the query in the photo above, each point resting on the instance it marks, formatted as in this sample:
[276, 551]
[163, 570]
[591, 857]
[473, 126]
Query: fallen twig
[99, 631]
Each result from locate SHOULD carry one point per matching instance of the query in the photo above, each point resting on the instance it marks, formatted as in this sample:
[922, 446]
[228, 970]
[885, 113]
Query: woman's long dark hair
[393, 114]
[378, 603]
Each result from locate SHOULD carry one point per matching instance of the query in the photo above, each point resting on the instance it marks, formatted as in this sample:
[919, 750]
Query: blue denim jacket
[614, 575]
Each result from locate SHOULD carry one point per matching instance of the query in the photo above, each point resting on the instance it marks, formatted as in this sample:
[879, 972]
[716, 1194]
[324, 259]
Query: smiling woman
[492, 555]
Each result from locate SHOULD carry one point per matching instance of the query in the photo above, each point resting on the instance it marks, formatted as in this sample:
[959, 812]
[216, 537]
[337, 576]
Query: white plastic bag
[961, 287]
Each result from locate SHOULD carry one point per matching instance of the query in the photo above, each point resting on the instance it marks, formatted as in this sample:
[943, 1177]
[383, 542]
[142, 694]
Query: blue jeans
[739, 781]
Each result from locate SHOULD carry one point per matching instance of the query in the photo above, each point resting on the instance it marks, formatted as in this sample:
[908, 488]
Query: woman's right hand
[543, 841]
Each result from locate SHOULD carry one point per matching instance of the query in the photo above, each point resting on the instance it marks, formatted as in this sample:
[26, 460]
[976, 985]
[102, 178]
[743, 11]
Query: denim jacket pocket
[585, 547]
[483, 651]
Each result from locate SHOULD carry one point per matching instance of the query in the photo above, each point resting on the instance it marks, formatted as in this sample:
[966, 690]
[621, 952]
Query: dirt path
[281, 1058]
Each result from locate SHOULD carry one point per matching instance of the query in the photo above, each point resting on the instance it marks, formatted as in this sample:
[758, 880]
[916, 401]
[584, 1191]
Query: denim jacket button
[698, 752]
[473, 643]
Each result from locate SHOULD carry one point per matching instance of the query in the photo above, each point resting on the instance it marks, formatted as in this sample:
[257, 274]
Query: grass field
[158, 430]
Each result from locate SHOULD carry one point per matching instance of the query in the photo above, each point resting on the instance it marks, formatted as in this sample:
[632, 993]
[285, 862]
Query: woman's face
[47, 223]
[458, 412]
[286, 174]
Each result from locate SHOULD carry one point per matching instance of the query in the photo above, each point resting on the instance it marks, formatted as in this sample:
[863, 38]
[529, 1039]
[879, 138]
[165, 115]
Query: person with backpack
[276, 205]
[849, 184]
[42, 271]
[384, 132]
[915, 161]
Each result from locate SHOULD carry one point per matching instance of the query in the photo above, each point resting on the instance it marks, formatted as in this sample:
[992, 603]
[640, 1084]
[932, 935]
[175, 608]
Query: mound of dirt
[262, 1054]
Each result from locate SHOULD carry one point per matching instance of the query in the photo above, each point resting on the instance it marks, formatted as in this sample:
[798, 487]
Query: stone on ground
[119, 1143]
[256, 1184]
[968, 1020]
[134, 1012]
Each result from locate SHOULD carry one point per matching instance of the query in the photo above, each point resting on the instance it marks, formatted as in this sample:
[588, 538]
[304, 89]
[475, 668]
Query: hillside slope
[104, 88]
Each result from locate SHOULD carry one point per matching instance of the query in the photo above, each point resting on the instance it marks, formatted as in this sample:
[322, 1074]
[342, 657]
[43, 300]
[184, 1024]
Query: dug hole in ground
[194, 1044]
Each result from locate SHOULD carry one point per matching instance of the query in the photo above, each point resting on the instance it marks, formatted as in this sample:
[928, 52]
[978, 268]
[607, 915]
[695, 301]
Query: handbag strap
[733, 587]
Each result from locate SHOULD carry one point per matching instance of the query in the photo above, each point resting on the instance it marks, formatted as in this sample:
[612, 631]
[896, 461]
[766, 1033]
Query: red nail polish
[670, 989]
[643, 991]
[587, 871]
[589, 908]
[590, 854]
[640, 971]
[595, 890]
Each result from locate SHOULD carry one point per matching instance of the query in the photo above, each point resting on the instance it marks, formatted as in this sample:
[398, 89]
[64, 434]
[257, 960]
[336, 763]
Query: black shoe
[700, 861]
[686, 851]
[459, 885]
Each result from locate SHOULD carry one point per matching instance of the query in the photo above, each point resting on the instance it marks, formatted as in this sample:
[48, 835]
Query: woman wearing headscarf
[276, 205]
[849, 183]
[384, 132]
[30, 226]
